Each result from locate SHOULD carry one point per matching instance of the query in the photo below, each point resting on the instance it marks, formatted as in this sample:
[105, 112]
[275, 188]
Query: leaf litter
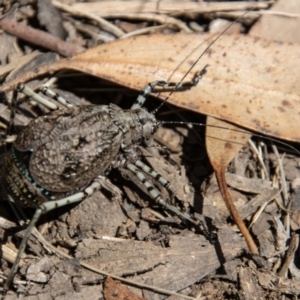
[167, 248]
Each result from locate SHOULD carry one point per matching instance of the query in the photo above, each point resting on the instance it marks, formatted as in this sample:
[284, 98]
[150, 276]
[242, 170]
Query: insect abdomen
[70, 147]
[17, 182]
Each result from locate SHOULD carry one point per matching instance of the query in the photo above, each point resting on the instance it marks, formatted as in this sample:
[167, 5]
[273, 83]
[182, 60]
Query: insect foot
[56, 158]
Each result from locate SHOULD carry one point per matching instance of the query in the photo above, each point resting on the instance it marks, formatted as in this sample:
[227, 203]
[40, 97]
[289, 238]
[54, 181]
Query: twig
[147, 30]
[282, 175]
[259, 157]
[289, 254]
[220, 175]
[279, 13]
[40, 38]
[161, 19]
[105, 25]
[105, 8]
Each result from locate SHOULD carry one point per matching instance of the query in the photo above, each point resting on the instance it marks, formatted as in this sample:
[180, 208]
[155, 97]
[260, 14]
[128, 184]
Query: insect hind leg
[44, 208]
[52, 94]
[26, 90]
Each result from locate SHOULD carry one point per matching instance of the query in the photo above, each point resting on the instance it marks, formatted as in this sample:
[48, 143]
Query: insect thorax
[137, 125]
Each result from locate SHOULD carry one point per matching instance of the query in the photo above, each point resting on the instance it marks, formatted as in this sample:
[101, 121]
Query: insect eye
[154, 129]
[142, 117]
[144, 121]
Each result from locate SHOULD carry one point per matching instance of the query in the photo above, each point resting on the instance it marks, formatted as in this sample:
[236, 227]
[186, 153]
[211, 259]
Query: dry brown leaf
[250, 82]
[281, 23]
[221, 151]
[222, 146]
[117, 291]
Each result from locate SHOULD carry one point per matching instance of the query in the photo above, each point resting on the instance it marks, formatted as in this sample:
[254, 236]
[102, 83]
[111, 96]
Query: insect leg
[22, 247]
[155, 195]
[13, 106]
[52, 94]
[26, 90]
[149, 88]
[165, 183]
[44, 208]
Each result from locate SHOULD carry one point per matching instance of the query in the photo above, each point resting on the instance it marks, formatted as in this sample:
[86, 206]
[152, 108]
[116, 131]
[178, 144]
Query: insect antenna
[198, 75]
[197, 78]
[234, 130]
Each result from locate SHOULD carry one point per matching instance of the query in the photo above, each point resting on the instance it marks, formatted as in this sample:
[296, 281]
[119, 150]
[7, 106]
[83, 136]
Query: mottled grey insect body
[68, 148]
[57, 158]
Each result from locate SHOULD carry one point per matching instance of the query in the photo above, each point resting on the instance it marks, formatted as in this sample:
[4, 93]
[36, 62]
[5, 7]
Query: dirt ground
[81, 251]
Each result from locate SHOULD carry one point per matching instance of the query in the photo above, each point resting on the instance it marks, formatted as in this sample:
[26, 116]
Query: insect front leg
[44, 208]
[149, 88]
[165, 183]
[156, 196]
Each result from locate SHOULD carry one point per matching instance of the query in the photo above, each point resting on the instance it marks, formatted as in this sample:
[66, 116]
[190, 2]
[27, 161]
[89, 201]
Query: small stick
[105, 25]
[289, 254]
[40, 38]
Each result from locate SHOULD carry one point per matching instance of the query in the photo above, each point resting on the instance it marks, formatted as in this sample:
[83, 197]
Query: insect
[56, 158]
[64, 158]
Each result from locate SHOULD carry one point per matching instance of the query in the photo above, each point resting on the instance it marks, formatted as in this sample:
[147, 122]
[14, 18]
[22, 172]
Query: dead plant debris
[118, 230]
